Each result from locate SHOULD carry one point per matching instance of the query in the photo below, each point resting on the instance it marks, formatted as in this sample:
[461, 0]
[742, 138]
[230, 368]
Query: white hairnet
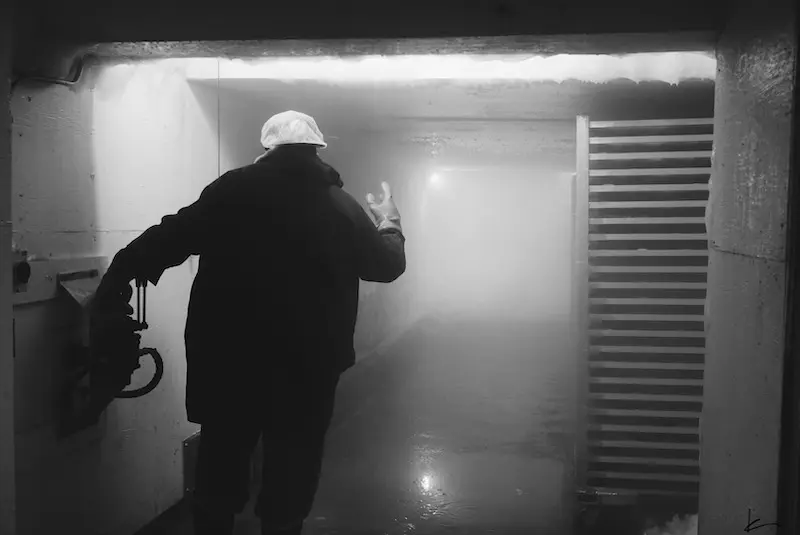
[291, 127]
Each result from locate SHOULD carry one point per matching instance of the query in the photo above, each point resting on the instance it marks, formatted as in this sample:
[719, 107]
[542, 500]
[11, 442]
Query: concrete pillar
[7, 478]
[747, 216]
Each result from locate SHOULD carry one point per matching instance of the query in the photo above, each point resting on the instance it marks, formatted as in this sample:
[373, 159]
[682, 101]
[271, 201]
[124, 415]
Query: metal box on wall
[190, 446]
[189, 462]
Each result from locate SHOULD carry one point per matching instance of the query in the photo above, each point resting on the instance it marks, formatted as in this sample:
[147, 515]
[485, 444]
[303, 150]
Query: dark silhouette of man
[271, 316]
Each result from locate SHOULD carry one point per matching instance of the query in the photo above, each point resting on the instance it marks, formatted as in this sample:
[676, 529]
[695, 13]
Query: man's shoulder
[247, 173]
[250, 169]
[332, 176]
[345, 201]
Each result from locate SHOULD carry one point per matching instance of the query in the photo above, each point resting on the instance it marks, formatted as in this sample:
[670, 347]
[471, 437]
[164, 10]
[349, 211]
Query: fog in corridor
[495, 242]
[472, 342]
[460, 410]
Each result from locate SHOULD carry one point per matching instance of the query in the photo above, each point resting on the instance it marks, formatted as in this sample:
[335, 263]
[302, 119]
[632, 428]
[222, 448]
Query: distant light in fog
[668, 67]
[426, 482]
[435, 180]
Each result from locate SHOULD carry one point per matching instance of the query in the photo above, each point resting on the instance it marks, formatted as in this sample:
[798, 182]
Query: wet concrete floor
[457, 428]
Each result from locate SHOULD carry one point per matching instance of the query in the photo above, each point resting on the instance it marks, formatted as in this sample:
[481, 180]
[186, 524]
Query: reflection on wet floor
[463, 433]
[459, 428]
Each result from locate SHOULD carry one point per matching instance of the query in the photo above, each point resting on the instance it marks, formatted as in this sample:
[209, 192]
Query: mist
[466, 370]
[496, 242]
[686, 525]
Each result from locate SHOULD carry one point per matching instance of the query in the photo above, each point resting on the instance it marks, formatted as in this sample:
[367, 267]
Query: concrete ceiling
[510, 118]
[544, 45]
[489, 101]
[57, 57]
[180, 20]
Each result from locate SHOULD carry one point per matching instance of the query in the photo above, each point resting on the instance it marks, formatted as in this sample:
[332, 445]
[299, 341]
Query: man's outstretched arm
[169, 243]
[381, 250]
[379, 246]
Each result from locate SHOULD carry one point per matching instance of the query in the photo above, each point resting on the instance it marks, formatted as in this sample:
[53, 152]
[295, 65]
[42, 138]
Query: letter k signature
[753, 525]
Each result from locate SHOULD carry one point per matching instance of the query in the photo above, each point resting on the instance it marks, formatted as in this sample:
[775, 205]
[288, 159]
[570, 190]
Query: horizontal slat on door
[643, 366]
[612, 443]
[645, 429]
[658, 334]
[647, 317]
[665, 285]
[642, 398]
[648, 269]
[648, 460]
[647, 220]
[648, 477]
[640, 412]
[648, 188]
[652, 123]
[650, 140]
[626, 494]
[644, 349]
[648, 184]
[650, 172]
[675, 237]
[648, 493]
[644, 381]
[648, 204]
[670, 155]
[636, 252]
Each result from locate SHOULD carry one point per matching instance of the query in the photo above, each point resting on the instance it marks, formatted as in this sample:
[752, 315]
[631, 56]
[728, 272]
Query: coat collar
[302, 155]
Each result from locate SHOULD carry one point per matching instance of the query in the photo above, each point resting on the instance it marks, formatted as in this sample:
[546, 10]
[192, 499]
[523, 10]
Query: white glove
[386, 214]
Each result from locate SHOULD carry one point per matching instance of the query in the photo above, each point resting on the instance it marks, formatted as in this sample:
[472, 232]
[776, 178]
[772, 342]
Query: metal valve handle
[141, 302]
[141, 319]
[149, 387]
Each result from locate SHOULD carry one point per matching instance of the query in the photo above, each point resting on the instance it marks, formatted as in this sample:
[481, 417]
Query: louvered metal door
[641, 194]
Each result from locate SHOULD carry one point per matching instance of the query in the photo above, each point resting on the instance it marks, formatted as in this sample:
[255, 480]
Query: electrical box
[190, 446]
[48, 325]
[21, 270]
[45, 276]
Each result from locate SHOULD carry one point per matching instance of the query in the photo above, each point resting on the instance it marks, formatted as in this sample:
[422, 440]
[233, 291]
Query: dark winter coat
[282, 248]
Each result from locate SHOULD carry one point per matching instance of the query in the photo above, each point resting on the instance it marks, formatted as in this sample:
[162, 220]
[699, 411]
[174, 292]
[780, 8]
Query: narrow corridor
[461, 431]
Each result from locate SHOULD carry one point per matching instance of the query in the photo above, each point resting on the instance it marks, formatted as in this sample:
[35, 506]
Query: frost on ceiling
[672, 67]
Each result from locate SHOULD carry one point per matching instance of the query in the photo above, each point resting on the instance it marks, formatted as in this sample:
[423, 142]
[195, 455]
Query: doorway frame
[789, 461]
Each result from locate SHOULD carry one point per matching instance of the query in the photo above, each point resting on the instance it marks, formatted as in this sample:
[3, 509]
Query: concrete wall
[747, 226]
[93, 167]
[7, 486]
[97, 164]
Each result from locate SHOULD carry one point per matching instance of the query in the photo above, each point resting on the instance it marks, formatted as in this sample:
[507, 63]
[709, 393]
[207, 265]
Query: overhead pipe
[78, 67]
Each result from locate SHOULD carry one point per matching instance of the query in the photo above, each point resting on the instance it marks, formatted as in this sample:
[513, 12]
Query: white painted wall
[93, 168]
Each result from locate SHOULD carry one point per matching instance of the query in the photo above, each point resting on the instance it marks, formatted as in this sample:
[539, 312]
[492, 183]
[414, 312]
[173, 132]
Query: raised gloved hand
[386, 214]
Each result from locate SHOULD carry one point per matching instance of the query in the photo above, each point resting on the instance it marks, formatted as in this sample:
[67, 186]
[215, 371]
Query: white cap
[291, 127]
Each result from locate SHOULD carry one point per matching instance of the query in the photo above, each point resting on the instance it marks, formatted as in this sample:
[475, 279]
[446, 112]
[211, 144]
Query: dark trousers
[293, 420]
